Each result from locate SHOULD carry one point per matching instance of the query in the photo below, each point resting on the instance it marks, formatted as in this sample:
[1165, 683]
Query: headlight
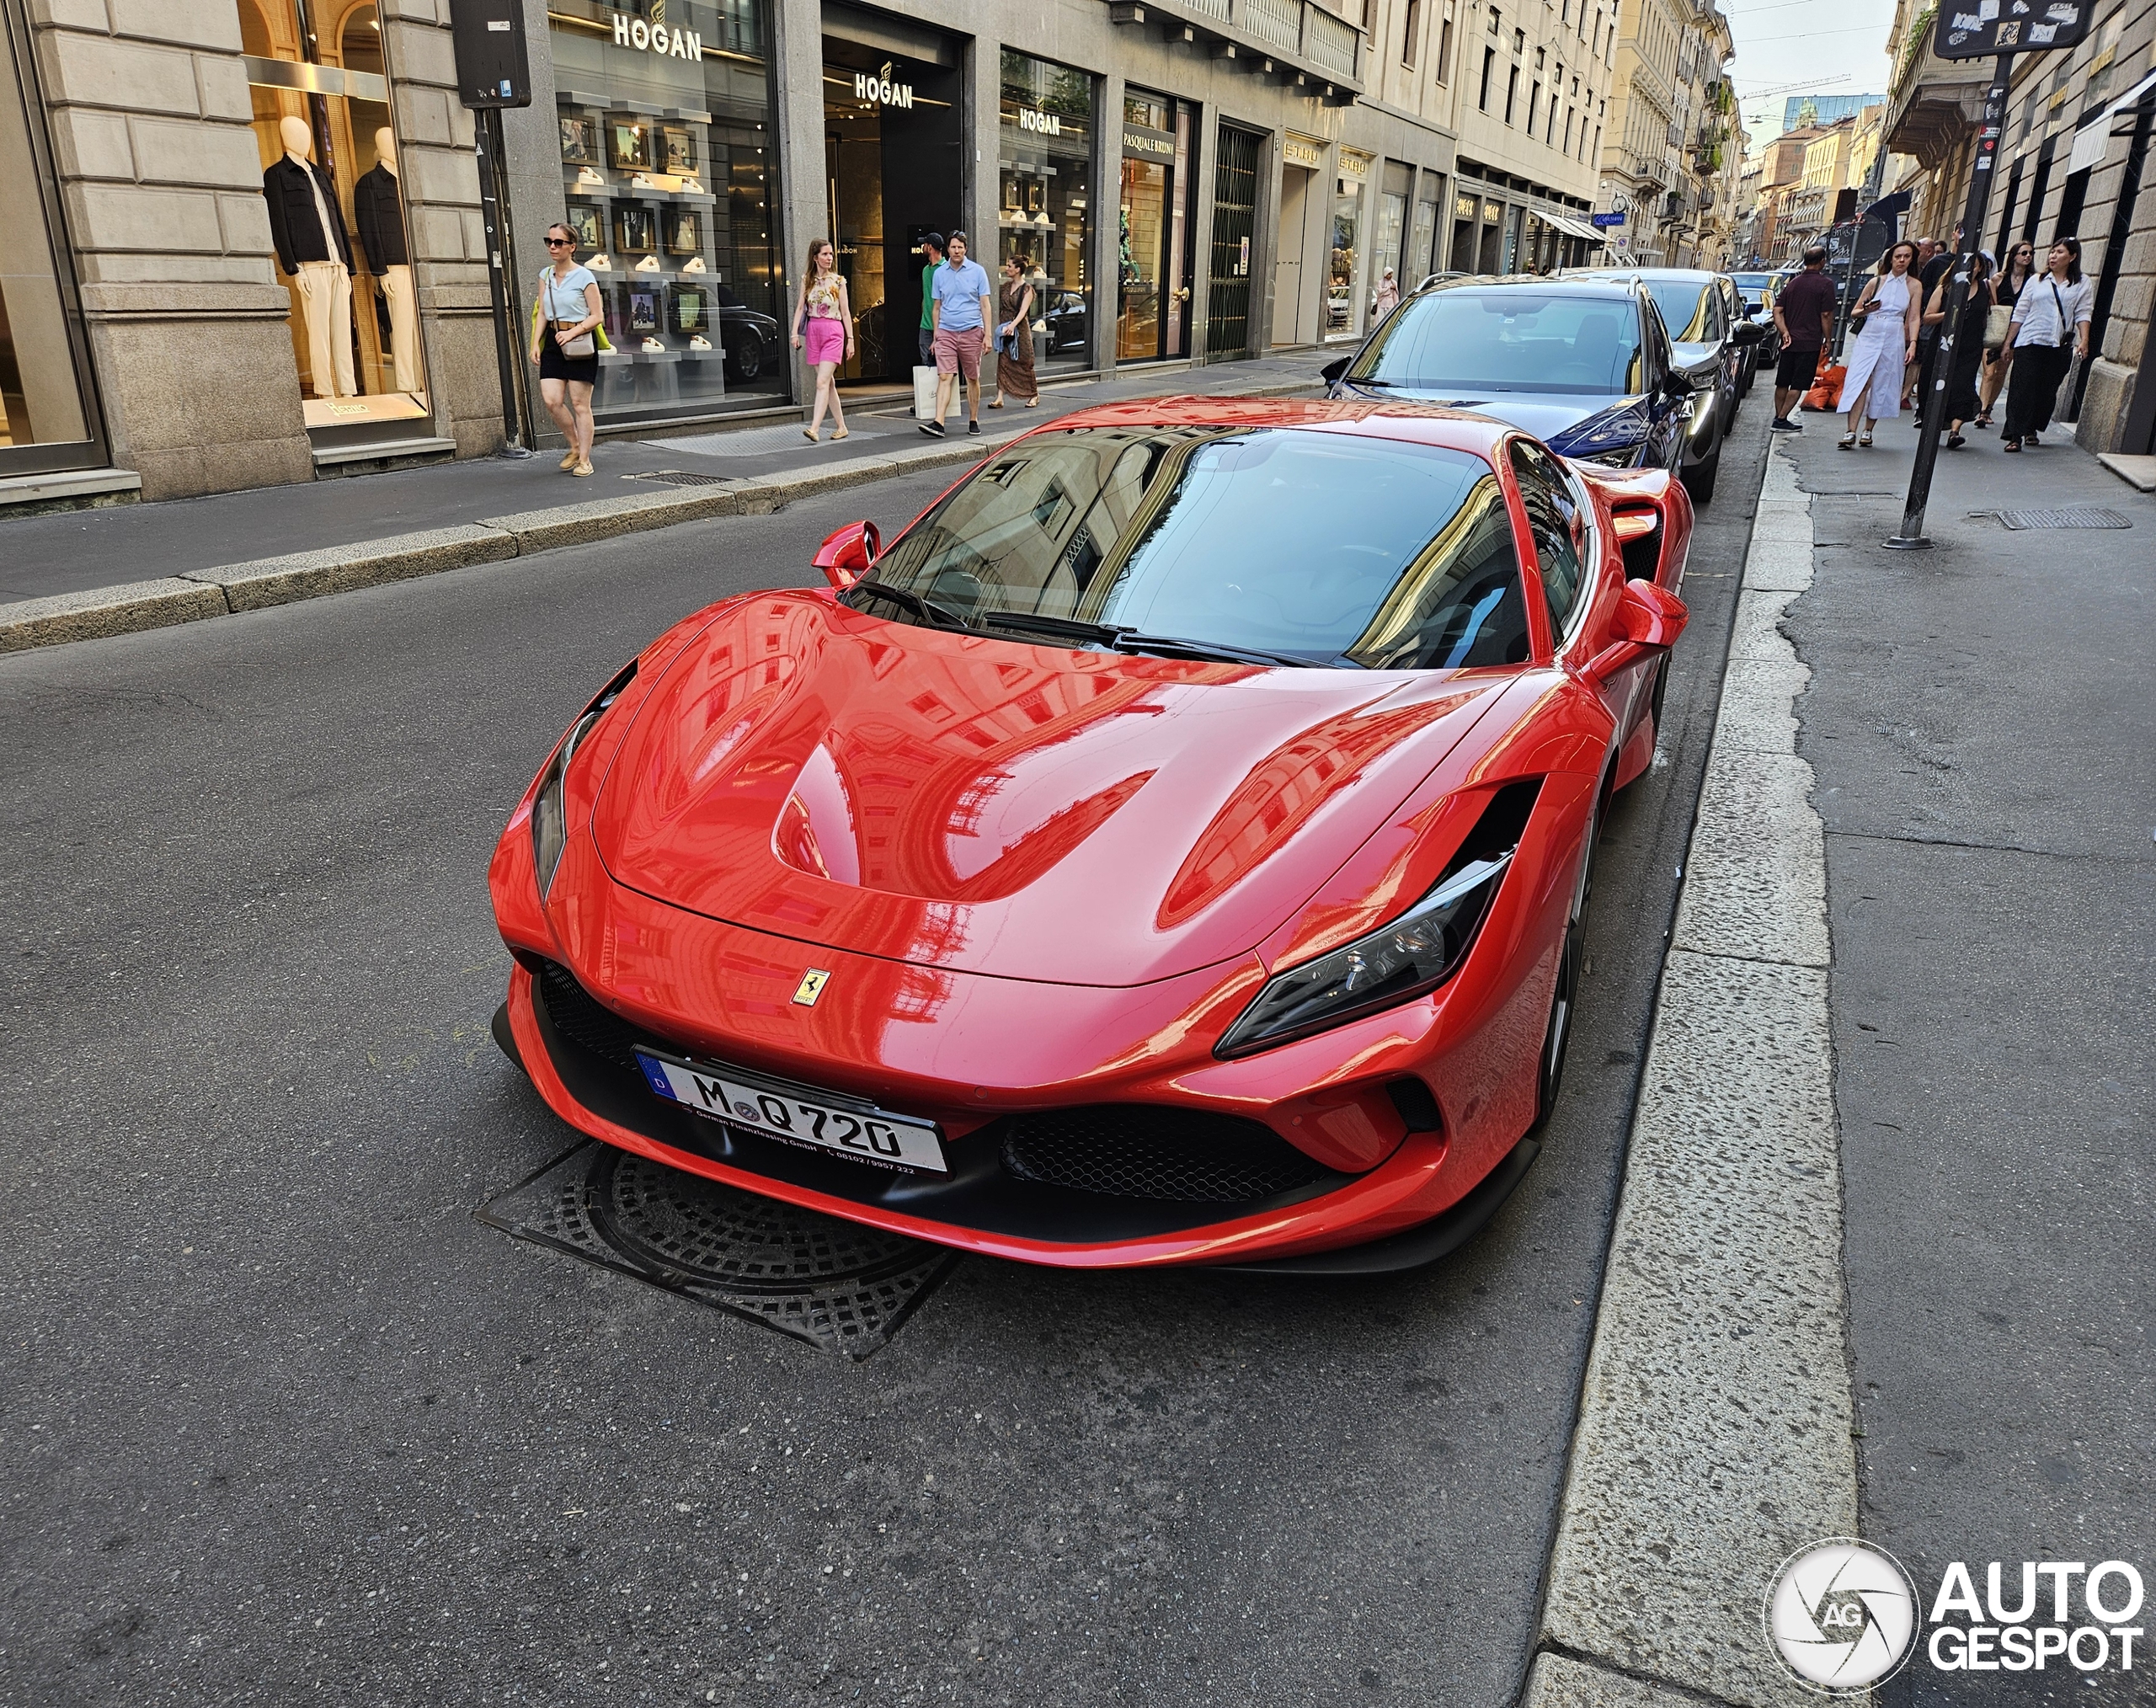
[549, 828]
[1414, 954]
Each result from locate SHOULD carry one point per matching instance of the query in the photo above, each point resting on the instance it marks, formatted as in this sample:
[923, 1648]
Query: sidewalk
[74, 551]
[1981, 720]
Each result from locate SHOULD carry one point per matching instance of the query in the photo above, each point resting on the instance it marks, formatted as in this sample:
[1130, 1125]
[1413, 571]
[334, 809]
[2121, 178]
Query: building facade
[259, 253]
[2073, 160]
[1671, 136]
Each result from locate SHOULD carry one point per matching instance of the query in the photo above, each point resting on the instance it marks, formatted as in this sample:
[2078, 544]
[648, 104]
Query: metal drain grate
[834, 1283]
[2078, 516]
[682, 477]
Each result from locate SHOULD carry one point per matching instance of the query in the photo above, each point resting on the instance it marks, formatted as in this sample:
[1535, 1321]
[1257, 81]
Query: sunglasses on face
[561, 243]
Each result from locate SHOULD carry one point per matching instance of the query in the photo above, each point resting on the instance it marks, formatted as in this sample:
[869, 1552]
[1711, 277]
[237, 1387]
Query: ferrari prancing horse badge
[811, 986]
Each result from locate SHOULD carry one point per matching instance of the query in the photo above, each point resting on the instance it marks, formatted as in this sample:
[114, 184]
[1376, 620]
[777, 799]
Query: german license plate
[782, 1113]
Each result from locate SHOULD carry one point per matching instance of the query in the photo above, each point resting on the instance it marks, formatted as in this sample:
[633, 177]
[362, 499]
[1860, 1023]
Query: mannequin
[316, 255]
[378, 213]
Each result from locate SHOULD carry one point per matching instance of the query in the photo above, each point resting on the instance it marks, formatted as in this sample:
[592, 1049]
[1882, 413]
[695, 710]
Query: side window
[1559, 527]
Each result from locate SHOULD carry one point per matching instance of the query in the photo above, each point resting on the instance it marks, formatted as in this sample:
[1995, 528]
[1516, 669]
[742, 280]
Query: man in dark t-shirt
[1804, 315]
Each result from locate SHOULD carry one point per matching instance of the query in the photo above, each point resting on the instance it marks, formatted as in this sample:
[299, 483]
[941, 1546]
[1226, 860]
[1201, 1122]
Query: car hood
[1548, 416]
[1030, 812]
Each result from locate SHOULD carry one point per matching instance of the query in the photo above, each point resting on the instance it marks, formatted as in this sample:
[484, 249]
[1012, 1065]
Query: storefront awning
[1573, 226]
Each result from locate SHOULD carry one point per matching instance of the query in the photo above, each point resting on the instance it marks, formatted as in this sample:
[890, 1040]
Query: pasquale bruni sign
[656, 38]
[1148, 145]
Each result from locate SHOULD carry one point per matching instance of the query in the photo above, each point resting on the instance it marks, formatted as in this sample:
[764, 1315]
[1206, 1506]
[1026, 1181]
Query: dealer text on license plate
[889, 1139]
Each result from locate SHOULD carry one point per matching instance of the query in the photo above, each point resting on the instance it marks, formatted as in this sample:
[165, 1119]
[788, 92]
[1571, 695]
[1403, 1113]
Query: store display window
[669, 169]
[1152, 248]
[1044, 167]
[47, 420]
[1341, 319]
[331, 180]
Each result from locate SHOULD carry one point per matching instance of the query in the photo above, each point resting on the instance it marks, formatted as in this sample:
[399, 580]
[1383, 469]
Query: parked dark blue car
[1583, 365]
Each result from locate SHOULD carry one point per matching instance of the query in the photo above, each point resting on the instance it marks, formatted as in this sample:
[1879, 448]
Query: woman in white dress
[1889, 311]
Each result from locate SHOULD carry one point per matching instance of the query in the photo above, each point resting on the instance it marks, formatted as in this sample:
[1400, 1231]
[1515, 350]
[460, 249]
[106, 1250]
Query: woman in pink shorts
[822, 331]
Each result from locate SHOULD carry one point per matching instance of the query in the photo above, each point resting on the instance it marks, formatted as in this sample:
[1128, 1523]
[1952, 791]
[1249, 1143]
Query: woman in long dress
[1891, 309]
[1014, 338]
[1974, 311]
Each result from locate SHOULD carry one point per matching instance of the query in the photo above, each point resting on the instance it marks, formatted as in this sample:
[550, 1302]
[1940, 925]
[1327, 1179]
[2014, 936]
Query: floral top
[824, 297]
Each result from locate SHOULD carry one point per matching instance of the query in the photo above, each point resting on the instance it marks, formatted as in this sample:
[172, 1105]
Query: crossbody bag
[584, 344]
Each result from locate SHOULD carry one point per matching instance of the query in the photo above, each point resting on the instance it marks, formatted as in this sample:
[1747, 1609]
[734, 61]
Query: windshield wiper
[933, 615]
[1129, 640]
[1173, 646]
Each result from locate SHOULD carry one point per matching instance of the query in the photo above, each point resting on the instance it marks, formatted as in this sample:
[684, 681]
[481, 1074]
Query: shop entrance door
[892, 165]
[1288, 285]
[1235, 224]
[1153, 249]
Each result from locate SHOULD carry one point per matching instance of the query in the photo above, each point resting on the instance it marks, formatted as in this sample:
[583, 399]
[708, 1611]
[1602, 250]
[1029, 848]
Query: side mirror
[1649, 619]
[1746, 332]
[1332, 371]
[1676, 387]
[848, 554]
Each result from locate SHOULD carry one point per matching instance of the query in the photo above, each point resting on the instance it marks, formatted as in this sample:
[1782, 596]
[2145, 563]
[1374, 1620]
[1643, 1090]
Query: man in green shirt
[932, 247]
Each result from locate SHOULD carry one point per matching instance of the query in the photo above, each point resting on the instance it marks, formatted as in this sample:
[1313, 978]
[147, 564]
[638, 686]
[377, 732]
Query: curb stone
[1715, 1418]
[198, 594]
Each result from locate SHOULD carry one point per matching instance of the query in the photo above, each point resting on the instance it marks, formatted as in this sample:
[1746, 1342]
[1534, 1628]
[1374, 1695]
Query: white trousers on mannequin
[403, 326]
[326, 303]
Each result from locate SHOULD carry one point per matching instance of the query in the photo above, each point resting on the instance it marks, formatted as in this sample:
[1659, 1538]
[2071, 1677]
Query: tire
[1699, 478]
[748, 363]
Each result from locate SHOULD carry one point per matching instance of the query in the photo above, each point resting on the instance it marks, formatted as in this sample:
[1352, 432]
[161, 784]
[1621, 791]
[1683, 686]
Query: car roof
[1568, 284]
[1420, 424]
[1700, 275]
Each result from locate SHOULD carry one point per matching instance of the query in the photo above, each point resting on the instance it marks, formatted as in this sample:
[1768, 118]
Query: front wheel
[1699, 478]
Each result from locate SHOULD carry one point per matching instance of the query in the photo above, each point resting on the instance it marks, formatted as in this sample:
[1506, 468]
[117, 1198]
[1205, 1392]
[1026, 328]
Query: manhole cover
[834, 1283]
[2080, 516]
[682, 477]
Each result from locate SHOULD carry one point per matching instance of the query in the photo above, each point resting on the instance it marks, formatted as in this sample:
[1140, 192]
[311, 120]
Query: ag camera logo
[1841, 1613]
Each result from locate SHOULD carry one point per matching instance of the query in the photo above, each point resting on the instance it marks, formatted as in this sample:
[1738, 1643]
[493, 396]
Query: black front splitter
[1418, 1245]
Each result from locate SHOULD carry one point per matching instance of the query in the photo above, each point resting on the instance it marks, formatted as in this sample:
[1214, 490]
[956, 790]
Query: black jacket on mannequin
[378, 219]
[294, 225]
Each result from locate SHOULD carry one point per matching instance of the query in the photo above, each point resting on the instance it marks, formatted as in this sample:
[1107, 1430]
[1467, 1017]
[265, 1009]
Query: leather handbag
[1999, 321]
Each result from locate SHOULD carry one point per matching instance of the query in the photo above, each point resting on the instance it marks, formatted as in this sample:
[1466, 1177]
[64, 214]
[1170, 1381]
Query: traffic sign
[1978, 28]
[1608, 219]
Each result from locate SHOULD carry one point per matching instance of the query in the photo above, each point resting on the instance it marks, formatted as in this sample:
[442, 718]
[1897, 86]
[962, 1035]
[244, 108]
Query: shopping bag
[923, 394]
[1826, 392]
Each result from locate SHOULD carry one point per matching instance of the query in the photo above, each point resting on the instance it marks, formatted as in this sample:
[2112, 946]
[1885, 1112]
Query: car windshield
[1464, 344]
[1250, 544]
[1752, 282]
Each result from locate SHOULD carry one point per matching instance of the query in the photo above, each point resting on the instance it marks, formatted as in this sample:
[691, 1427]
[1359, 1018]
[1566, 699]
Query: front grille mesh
[1139, 1150]
[576, 1014]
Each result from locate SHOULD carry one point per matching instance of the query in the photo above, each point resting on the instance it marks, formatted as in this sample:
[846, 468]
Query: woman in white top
[2049, 335]
[568, 313]
[1890, 311]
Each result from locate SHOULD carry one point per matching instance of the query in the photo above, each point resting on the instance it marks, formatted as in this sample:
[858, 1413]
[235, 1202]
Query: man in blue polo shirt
[961, 301]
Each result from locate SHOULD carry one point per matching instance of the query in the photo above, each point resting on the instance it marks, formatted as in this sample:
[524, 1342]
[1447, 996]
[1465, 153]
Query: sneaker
[653, 346]
[933, 429]
[649, 265]
[600, 264]
[695, 264]
[700, 342]
[1782, 425]
[590, 175]
[973, 426]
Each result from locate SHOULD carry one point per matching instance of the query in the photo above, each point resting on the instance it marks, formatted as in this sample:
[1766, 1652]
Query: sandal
[1983, 420]
[2011, 445]
[1955, 441]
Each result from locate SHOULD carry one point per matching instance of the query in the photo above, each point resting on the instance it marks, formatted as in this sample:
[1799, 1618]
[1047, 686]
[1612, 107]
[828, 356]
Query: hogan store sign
[879, 89]
[656, 38]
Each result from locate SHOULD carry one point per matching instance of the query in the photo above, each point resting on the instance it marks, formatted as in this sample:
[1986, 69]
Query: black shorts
[1796, 370]
[554, 366]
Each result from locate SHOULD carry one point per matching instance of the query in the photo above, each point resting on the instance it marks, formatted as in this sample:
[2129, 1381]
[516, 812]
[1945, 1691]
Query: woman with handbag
[1887, 313]
[2012, 281]
[1973, 320]
[1014, 337]
[823, 332]
[2050, 332]
[565, 341]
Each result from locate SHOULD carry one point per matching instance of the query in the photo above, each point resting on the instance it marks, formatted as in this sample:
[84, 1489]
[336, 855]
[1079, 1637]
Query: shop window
[334, 188]
[1045, 173]
[46, 422]
[664, 109]
[1340, 320]
[1152, 287]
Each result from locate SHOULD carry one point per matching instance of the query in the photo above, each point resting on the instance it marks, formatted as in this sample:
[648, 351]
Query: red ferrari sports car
[1169, 849]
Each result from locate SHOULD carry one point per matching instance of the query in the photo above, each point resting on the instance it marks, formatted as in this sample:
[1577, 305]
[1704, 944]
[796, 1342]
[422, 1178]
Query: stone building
[1673, 118]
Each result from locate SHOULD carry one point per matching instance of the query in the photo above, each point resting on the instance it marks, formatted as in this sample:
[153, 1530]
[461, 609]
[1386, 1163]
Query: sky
[1829, 47]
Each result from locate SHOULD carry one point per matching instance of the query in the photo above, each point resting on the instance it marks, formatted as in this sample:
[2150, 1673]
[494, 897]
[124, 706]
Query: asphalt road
[282, 1421]
[1980, 722]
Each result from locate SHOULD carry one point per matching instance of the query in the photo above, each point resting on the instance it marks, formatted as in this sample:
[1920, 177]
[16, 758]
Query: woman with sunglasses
[2013, 278]
[565, 339]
